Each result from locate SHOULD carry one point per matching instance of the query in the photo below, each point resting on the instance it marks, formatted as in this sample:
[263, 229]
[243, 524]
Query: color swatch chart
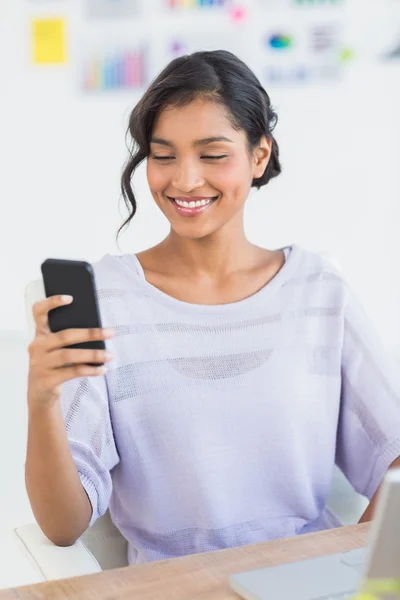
[116, 70]
[184, 4]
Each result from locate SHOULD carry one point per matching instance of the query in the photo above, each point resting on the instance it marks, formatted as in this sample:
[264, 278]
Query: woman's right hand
[51, 363]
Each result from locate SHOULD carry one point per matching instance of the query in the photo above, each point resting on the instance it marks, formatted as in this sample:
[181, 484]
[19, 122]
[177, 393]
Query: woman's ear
[261, 157]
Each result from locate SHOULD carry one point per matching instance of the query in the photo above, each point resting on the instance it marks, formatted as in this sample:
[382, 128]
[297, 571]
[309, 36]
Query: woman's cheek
[228, 176]
[157, 179]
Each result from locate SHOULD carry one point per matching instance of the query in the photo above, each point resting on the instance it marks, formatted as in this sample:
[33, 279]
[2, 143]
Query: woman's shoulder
[117, 272]
[313, 262]
[322, 270]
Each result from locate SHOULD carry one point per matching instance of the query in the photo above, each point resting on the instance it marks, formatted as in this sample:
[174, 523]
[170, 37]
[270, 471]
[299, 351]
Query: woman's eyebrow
[210, 140]
[160, 141]
[202, 142]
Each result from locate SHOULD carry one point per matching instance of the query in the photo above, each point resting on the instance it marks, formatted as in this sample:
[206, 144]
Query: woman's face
[199, 168]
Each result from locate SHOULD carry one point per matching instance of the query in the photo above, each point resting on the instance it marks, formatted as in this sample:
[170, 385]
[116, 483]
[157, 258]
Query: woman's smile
[191, 206]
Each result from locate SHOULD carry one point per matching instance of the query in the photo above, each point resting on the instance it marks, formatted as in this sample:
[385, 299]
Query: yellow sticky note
[49, 44]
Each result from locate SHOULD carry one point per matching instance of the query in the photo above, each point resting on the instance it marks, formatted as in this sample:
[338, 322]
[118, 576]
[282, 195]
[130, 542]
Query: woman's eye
[161, 158]
[214, 157]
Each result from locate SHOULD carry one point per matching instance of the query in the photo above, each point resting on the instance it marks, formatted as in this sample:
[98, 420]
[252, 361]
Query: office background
[332, 69]
[63, 142]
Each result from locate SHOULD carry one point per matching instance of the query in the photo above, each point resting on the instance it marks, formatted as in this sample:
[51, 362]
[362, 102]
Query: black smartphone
[76, 279]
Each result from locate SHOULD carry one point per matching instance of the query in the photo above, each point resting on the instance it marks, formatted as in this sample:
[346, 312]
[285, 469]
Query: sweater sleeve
[368, 438]
[85, 407]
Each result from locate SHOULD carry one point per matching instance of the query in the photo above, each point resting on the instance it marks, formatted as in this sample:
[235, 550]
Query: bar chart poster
[300, 55]
[177, 5]
[115, 69]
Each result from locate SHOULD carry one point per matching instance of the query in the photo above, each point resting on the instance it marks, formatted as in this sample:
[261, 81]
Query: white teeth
[193, 204]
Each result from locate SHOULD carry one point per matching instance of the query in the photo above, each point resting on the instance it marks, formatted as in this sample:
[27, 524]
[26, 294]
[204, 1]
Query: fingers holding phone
[69, 341]
[51, 363]
[41, 311]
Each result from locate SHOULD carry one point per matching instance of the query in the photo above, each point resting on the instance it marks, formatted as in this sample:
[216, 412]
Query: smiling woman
[192, 205]
[239, 375]
[205, 127]
[192, 175]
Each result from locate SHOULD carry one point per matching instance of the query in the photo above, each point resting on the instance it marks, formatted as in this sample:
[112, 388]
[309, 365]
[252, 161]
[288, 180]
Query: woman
[238, 375]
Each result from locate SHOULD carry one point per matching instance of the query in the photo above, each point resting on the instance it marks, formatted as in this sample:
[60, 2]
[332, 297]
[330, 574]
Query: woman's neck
[215, 256]
[220, 269]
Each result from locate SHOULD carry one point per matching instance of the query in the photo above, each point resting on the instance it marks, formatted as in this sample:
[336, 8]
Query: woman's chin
[192, 231]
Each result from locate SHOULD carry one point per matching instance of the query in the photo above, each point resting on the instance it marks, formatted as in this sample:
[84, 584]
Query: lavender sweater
[218, 426]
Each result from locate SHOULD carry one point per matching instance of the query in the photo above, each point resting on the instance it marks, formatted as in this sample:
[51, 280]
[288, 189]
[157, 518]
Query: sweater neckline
[291, 252]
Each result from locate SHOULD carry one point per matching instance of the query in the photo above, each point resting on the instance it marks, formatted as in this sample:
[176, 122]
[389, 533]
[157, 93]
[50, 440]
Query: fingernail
[67, 299]
[103, 370]
[108, 332]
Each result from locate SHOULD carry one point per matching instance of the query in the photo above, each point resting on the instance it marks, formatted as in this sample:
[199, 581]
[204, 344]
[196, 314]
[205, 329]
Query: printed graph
[115, 70]
[304, 54]
[196, 4]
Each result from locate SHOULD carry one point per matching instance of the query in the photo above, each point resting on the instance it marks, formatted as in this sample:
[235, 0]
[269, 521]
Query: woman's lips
[190, 207]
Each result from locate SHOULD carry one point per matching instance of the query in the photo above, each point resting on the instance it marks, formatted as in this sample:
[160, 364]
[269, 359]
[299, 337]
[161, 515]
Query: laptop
[335, 576]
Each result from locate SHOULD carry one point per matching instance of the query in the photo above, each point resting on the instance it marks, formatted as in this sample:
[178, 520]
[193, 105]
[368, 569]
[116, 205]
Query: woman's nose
[187, 177]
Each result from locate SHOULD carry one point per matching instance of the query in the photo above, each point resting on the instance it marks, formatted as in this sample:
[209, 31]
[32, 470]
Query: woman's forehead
[198, 120]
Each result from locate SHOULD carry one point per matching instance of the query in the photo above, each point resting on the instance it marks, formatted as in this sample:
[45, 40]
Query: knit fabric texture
[219, 426]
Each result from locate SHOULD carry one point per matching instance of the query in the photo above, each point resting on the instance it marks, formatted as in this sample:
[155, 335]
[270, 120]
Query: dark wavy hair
[218, 75]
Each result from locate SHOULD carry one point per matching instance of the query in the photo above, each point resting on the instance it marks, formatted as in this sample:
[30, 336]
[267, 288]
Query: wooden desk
[196, 577]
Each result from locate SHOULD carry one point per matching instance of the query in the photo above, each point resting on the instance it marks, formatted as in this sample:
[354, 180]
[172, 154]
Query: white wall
[62, 153]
